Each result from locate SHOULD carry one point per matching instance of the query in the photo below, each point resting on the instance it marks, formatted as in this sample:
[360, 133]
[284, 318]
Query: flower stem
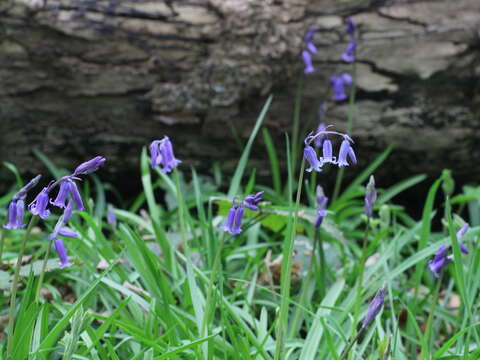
[16, 276]
[358, 296]
[42, 272]
[2, 243]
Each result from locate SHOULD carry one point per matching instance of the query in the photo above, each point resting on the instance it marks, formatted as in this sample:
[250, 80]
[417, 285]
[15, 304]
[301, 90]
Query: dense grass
[166, 283]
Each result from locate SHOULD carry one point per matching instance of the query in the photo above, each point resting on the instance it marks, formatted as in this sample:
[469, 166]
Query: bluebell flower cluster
[16, 208]
[161, 154]
[339, 84]
[345, 153]
[309, 50]
[442, 258]
[233, 224]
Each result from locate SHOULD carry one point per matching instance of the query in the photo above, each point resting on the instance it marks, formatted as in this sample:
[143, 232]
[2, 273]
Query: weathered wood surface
[84, 77]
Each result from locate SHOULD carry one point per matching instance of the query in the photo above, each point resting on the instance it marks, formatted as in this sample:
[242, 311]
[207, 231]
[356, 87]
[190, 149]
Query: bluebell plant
[308, 51]
[370, 197]
[316, 163]
[374, 308]
[349, 54]
[161, 154]
[16, 208]
[339, 84]
[234, 219]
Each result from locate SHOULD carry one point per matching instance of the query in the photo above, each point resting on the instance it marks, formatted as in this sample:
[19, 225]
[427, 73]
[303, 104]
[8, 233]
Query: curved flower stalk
[345, 153]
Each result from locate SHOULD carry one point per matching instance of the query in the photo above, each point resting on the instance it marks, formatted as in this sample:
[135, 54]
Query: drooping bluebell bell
[307, 61]
[309, 40]
[322, 202]
[39, 205]
[251, 201]
[161, 153]
[311, 157]
[349, 54]
[89, 166]
[439, 261]
[338, 84]
[350, 27]
[234, 219]
[62, 195]
[370, 196]
[111, 217]
[76, 197]
[327, 152]
[374, 308]
[460, 234]
[62, 253]
[16, 208]
[346, 150]
[67, 213]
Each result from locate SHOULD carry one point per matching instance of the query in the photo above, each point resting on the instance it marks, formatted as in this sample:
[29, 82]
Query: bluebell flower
[338, 84]
[307, 61]
[39, 205]
[62, 253]
[89, 166]
[64, 231]
[62, 195]
[22, 193]
[76, 197]
[374, 308]
[111, 217]
[67, 213]
[327, 152]
[370, 196]
[251, 201]
[322, 202]
[16, 211]
[350, 27]
[346, 150]
[349, 54]
[460, 234]
[309, 40]
[161, 153]
[234, 219]
[439, 261]
[311, 157]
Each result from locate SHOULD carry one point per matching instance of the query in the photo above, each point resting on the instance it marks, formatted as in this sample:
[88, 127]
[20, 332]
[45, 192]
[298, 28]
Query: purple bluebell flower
[439, 261]
[309, 40]
[350, 27]
[349, 54]
[234, 219]
[76, 197]
[161, 153]
[370, 196]
[62, 195]
[16, 211]
[307, 61]
[338, 84]
[64, 231]
[346, 150]
[318, 142]
[89, 166]
[374, 308]
[62, 253]
[460, 234]
[111, 217]
[22, 193]
[251, 201]
[311, 157]
[327, 152]
[322, 202]
[39, 205]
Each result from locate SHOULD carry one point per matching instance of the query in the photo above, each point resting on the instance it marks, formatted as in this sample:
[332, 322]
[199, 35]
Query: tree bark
[84, 77]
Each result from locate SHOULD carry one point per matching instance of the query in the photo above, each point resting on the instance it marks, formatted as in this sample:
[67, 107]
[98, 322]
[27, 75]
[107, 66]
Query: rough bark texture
[84, 77]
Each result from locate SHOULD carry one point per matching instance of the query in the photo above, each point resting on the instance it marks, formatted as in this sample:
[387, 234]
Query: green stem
[2, 243]
[296, 121]
[180, 213]
[351, 108]
[286, 274]
[350, 344]
[44, 267]
[16, 277]
[428, 327]
[358, 296]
